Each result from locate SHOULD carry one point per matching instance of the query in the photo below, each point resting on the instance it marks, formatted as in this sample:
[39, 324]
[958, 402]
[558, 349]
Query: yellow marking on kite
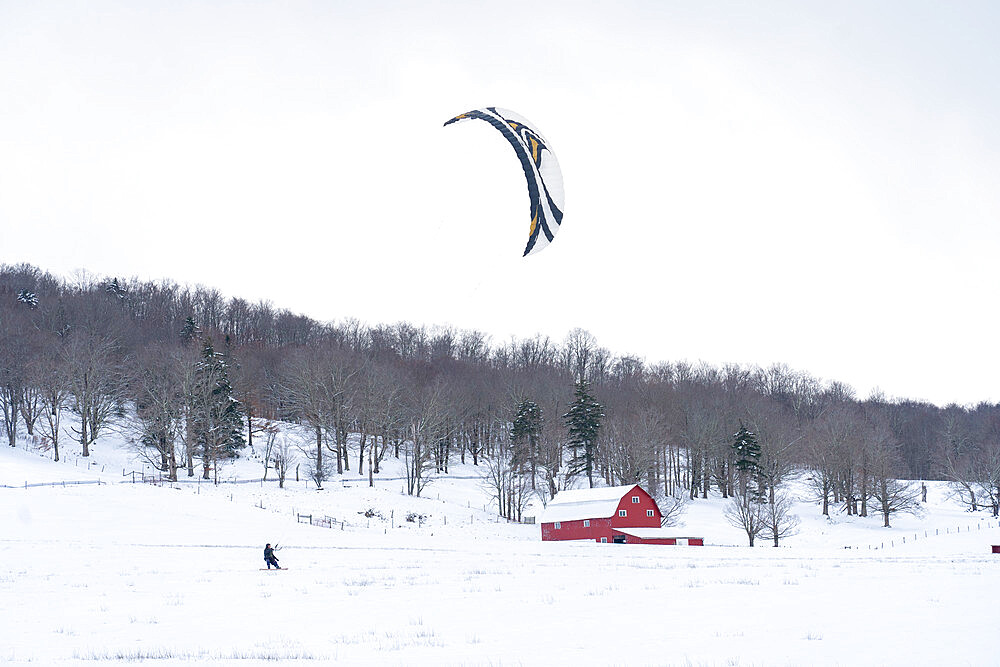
[534, 223]
[534, 149]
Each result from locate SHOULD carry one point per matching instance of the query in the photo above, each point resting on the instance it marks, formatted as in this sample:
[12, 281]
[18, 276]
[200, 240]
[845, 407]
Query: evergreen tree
[116, 289]
[583, 422]
[217, 417]
[525, 432]
[746, 453]
[189, 330]
[28, 298]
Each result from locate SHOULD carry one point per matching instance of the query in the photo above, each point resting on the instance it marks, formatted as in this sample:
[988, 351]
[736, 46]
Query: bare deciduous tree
[779, 522]
[302, 385]
[632, 441]
[14, 359]
[747, 513]
[426, 426]
[271, 431]
[894, 495]
[672, 507]
[578, 353]
[53, 386]
[95, 383]
[156, 383]
[282, 457]
[831, 439]
[507, 486]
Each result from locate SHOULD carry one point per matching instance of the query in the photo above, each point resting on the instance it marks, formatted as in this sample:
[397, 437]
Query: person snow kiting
[269, 557]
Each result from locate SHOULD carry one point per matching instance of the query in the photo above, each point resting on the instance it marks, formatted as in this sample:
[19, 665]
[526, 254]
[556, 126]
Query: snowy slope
[120, 571]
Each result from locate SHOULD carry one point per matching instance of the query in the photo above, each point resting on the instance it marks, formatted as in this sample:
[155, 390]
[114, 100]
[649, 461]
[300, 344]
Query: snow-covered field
[135, 572]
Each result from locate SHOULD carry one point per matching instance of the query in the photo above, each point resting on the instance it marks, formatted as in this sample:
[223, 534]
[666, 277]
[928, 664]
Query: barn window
[649, 512]
[558, 525]
[622, 512]
[635, 500]
[604, 540]
[586, 523]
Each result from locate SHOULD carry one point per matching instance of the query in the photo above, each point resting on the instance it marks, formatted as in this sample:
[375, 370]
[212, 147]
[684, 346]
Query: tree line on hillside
[205, 375]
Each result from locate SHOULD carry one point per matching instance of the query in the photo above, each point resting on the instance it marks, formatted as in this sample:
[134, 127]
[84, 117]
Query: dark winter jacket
[269, 555]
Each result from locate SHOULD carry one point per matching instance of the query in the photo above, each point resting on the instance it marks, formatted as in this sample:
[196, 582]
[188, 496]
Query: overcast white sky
[810, 183]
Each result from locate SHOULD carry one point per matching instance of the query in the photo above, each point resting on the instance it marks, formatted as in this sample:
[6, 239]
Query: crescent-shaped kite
[541, 171]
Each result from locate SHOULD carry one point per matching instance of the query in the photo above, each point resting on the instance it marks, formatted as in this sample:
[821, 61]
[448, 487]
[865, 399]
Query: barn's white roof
[577, 504]
[651, 533]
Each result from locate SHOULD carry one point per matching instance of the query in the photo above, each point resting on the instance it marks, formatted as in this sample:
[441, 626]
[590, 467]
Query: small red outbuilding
[617, 514]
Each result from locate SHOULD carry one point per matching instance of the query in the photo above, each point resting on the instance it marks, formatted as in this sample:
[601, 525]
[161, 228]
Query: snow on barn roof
[651, 533]
[577, 504]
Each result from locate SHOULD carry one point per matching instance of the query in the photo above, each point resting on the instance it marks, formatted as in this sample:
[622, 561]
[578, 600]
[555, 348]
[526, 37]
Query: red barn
[617, 514]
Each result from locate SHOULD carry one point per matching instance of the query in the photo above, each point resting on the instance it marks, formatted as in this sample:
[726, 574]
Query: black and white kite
[541, 171]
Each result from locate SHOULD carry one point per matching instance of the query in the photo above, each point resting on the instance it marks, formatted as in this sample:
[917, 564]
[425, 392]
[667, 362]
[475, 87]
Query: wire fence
[900, 540]
[158, 479]
[65, 482]
[322, 521]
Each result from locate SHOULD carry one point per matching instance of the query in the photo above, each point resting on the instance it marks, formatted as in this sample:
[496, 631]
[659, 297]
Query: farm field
[306, 281]
[124, 572]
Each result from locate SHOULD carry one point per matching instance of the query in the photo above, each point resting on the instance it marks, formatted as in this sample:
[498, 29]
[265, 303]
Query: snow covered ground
[135, 572]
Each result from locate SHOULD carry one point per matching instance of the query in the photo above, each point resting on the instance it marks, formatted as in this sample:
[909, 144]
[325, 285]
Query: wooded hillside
[198, 368]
